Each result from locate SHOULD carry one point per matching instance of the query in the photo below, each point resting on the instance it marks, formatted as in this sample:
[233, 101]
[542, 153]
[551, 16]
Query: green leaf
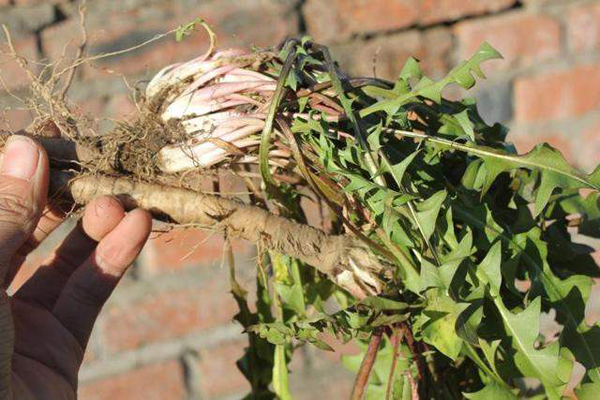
[533, 251]
[443, 276]
[281, 384]
[492, 391]
[589, 210]
[288, 283]
[411, 69]
[555, 170]
[588, 391]
[585, 346]
[383, 304]
[428, 211]
[399, 169]
[468, 322]
[524, 329]
[466, 124]
[463, 73]
[489, 269]
[429, 89]
[489, 350]
[438, 324]
[430, 277]
[292, 81]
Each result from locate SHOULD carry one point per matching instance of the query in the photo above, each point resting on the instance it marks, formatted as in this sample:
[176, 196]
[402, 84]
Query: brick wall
[166, 333]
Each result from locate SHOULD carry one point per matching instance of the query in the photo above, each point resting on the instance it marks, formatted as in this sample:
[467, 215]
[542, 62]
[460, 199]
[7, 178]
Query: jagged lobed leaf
[461, 75]
[461, 247]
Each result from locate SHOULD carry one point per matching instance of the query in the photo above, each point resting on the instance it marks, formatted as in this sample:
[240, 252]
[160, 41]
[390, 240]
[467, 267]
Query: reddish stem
[414, 386]
[397, 338]
[362, 378]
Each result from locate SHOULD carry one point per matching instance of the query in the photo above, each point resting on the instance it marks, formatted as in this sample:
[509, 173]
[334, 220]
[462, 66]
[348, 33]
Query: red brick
[324, 385]
[95, 106]
[121, 107]
[168, 315]
[218, 370]
[14, 119]
[340, 349]
[242, 23]
[448, 10]
[148, 59]
[151, 382]
[334, 21]
[558, 94]
[20, 3]
[178, 249]
[27, 19]
[583, 27]
[539, 3]
[387, 54]
[587, 145]
[521, 38]
[234, 22]
[11, 73]
[64, 37]
[33, 2]
[525, 140]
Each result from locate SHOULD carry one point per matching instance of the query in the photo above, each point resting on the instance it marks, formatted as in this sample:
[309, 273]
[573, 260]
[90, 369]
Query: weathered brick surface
[176, 249]
[168, 314]
[521, 37]
[27, 19]
[558, 94]
[588, 149]
[334, 21]
[338, 20]
[11, 74]
[113, 30]
[447, 10]
[386, 55]
[13, 119]
[219, 375]
[525, 139]
[171, 251]
[583, 27]
[151, 382]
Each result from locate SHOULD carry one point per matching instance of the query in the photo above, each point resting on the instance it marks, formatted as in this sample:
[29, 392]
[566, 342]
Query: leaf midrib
[512, 158]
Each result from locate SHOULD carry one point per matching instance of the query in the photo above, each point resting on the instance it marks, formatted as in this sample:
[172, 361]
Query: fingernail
[20, 158]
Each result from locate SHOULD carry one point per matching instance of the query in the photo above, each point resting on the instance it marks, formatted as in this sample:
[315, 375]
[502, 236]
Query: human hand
[46, 324]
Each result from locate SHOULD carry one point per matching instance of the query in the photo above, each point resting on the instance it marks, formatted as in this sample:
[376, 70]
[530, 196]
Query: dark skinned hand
[46, 324]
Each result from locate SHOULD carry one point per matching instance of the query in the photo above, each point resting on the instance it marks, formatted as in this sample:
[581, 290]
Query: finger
[51, 218]
[90, 285]
[100, 217]
[23, 192]
[57, 349]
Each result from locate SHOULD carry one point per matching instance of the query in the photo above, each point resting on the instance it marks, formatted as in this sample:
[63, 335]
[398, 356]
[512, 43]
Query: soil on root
[132, 148]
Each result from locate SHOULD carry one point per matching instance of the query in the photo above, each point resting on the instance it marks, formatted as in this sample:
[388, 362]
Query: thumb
[23, 191]
[23, 194]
